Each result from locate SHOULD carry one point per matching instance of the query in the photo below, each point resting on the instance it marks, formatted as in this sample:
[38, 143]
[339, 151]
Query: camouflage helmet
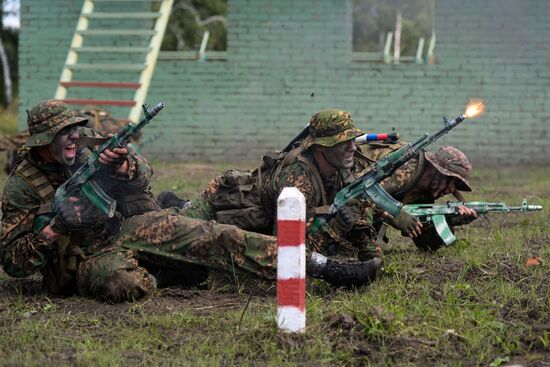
[47, 118]
[330, 127]
[452, 162]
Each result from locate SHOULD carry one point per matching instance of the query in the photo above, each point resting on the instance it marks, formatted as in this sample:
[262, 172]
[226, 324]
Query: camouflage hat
[47, 118]
[452, 162]
[330, 127]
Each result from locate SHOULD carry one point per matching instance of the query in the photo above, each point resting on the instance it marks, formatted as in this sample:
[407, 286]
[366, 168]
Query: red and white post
[291, 261]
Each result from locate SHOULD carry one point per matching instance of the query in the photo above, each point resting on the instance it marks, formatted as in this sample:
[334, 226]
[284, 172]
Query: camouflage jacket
[303, 173]
[23, 252]
[400, 185]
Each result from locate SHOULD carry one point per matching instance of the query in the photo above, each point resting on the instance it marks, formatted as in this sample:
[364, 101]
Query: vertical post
[397, 40]
[430, 54]
[418, 59]
[202, 50]
[387, 47]
[291, 261]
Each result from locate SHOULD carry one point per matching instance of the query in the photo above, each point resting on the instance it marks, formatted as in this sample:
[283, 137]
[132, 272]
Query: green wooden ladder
[112, 36]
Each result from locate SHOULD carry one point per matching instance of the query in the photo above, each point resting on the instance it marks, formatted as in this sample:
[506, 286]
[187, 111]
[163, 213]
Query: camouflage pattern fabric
[108, 267]
[104, 262]
[330, 127]
[47, 118]
[452, 162]
[332, 239]
[402, 185]
[99, 120]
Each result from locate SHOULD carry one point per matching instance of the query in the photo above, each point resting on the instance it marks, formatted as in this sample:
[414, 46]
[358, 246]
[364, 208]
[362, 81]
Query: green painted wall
[288, 59]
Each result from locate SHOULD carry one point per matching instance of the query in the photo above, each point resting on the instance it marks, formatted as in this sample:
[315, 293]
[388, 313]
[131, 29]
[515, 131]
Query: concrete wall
[288, 59]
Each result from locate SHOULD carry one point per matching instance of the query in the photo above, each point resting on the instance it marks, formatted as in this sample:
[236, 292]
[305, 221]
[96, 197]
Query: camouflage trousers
[166, 245]
[360, 241]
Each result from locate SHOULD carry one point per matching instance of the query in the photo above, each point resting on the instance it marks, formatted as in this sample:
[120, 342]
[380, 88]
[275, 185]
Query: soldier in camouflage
[423, 180]
[319, 167]
[114, 259]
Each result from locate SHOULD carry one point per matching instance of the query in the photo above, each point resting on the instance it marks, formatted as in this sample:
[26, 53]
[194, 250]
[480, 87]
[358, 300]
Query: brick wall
[288, 59]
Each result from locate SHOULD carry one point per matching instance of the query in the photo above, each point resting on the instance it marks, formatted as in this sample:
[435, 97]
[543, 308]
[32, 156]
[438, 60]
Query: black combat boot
[341, 273]
[167, 199]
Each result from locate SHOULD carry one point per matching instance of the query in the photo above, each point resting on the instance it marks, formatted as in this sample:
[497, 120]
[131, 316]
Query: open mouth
[70, 151]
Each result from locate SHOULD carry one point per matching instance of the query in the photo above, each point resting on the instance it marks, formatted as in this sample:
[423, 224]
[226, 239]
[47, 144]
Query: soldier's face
[442, 185]
[341, 154]
[63, 148]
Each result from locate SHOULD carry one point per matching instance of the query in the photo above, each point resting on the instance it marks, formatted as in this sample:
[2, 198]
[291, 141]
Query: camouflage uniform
[100, 121]
[109, 261]
[299, 168]
[403, 184]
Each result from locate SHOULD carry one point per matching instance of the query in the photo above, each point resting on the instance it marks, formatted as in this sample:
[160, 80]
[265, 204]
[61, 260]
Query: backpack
[238, 199]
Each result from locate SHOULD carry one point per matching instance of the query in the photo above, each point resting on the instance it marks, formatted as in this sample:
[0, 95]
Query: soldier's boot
[341, 273]
[168, 199]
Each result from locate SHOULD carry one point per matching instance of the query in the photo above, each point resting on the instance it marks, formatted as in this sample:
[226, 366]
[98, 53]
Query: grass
[8, 120]
[474, 303]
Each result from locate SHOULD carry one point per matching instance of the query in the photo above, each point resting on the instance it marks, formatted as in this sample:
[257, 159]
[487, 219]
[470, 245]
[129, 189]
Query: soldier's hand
[345, 218]
[351, 213]
[116, 159]
[465, 211]
[465, 216]
[408, 224]
[77, 213]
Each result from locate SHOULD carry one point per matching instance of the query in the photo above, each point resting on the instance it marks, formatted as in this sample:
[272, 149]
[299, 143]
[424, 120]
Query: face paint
[341, 154]
[63, 148]
[442, 185]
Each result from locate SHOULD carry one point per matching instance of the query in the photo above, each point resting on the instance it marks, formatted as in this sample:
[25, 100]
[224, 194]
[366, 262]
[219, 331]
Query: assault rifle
[82, 180]
[368, 185]
[441, 215]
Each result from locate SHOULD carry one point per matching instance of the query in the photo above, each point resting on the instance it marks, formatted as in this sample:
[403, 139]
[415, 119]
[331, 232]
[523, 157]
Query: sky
[11, 19]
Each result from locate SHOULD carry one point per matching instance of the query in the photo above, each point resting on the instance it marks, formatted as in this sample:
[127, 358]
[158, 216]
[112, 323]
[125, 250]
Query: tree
[189, 20]
[373, 19]
[8, 53]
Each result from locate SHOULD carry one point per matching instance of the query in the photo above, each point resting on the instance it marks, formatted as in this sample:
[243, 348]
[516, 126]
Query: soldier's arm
[331, 232]
[128, 167]
[22, 252]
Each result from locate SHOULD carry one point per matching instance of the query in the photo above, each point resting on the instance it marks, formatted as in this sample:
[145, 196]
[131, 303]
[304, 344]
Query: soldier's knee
[127, 285]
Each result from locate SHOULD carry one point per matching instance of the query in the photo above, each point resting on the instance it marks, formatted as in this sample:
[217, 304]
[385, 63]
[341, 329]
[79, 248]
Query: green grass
[474, 303]
[8, 120]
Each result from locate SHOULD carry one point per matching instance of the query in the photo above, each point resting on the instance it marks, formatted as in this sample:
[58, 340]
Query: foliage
[475, 303]
[373, 19]
[185, 31]
[10, 39]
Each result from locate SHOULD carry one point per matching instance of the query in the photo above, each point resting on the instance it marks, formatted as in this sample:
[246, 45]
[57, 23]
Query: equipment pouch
[251, 218]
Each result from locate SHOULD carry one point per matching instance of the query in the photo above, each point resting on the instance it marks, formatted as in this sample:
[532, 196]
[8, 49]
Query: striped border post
[291, 261]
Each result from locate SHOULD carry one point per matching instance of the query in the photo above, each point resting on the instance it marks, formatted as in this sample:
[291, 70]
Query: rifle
[439, 215]
[368, 185]
[82, 180]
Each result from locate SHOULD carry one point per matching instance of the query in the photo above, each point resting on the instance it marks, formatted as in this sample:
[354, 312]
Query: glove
[406, 223]
[76, 213]
[350, 214]
[345, 218]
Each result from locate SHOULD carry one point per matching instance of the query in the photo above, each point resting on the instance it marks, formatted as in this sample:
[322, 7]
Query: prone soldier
[320, 166]
[119, 258]
[422, 181]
